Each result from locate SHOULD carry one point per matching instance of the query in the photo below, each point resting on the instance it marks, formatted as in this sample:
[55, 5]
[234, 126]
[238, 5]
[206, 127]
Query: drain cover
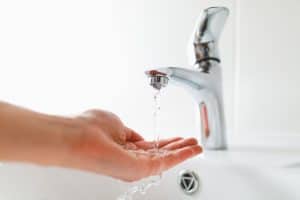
[188, 181]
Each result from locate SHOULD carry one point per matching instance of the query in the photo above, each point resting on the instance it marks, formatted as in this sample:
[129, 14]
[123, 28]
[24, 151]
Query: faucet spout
[204, 82]
[208, 95]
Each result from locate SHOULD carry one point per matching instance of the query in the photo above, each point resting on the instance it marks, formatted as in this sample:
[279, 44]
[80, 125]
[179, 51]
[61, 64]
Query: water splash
[141, 188]
[144, 185]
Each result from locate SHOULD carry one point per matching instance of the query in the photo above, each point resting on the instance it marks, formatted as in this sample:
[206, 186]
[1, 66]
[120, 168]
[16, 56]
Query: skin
[95, 141]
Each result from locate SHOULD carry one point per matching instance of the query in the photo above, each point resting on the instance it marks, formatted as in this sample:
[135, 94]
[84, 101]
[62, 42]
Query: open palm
[108, 147]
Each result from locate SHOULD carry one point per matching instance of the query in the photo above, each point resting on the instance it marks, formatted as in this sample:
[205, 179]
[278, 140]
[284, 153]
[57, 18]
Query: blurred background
[63, 57]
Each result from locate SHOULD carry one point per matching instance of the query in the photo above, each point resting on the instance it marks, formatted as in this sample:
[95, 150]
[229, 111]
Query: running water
[143, 186]
[156, 120]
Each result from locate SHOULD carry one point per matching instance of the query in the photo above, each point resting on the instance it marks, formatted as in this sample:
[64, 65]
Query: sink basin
[240, 173]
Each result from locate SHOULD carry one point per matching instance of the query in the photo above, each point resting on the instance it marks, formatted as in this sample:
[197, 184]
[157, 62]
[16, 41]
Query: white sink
[237, 174]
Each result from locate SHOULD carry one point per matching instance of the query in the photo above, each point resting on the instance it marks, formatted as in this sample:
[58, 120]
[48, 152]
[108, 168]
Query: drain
[188, 182]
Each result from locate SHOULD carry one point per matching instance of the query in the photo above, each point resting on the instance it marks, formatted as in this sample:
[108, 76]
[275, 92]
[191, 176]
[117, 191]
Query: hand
[95, 141]
[105, 146]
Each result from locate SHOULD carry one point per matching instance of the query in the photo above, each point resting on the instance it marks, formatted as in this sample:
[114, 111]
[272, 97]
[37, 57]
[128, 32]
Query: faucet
[204, 80]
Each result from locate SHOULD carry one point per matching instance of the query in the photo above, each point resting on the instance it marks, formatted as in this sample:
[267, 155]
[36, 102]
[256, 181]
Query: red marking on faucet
[155, 72]
[204, 120]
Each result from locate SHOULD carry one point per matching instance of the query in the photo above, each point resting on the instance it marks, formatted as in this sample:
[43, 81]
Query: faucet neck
[205, 65]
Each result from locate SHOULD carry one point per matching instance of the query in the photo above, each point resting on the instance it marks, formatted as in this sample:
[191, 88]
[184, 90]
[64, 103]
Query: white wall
[268, 71]
[63, 57]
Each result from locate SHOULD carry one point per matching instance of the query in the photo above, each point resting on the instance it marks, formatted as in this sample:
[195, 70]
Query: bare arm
[93, 141]
[27, 136]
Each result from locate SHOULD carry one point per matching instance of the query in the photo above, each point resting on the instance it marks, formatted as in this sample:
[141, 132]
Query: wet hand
[105, 145]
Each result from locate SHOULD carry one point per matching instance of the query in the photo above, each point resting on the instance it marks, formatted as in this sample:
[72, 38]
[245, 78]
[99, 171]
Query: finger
[181, 143]
[163, 163]
[130, 146]
[133, 136]
[150, 145]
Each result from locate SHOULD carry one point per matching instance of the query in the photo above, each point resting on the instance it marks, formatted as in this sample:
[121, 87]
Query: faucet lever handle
[207, 33]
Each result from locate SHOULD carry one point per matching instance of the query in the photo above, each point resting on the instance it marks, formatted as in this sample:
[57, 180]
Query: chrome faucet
[204, 81]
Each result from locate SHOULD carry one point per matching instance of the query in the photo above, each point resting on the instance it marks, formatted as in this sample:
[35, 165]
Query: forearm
[27, 136]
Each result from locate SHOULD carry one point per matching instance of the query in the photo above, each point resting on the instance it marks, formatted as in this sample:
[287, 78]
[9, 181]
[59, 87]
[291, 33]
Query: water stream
[156, 119]
[141, 187]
